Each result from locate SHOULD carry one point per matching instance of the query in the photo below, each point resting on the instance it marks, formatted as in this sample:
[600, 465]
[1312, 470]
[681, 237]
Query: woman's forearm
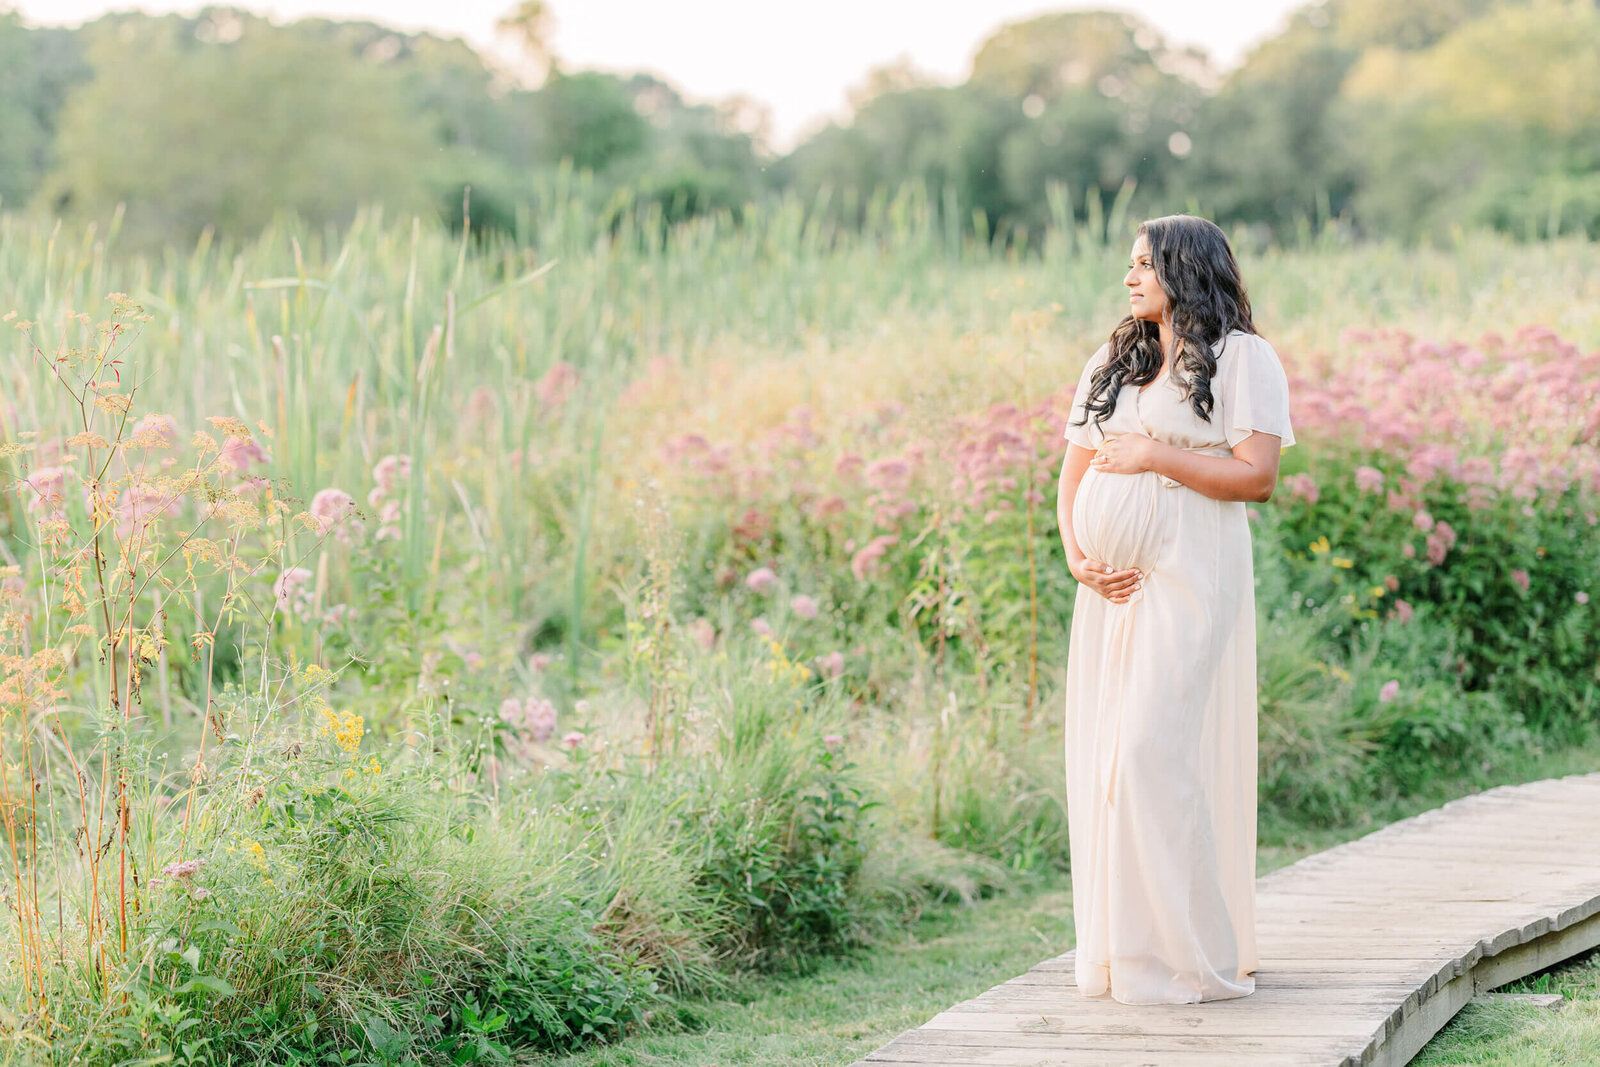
[1222, 477]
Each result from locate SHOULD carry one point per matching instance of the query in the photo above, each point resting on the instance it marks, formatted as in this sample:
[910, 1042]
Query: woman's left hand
[1126, 453]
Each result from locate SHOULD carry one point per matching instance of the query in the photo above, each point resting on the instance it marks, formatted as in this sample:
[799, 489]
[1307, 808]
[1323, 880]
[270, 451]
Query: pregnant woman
[1177, 421]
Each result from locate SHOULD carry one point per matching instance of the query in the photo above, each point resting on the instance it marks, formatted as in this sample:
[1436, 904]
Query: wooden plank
[1365, 950]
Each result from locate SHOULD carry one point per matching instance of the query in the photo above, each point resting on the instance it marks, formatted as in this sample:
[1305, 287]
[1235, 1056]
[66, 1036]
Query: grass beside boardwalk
[847, 1008]
[1520, 1035]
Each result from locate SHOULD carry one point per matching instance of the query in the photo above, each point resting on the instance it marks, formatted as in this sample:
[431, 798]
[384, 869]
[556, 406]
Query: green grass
[848, 1007]
[1520, 1035]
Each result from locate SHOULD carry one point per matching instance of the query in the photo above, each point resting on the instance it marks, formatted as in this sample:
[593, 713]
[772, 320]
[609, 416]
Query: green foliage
[37, 68]
[1377, 118]
[229, 134]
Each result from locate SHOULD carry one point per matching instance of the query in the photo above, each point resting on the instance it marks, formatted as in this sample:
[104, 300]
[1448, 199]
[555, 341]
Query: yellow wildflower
[1341, 561]
[346, 728]
[1320, 545]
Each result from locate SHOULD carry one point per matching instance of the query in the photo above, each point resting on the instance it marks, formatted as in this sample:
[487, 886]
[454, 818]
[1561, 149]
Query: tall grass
[573, 451]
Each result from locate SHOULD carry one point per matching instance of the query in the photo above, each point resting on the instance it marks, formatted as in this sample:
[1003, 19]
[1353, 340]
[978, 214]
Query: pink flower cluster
[293, 591]
[555, 388]
[989, 454]
[867, 559]
[330, 511]
[1518, 416]
[1441, 539]
[388, 473]
[532, 722]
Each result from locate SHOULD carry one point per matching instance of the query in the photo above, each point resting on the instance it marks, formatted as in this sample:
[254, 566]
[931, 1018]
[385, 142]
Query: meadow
[420, 646]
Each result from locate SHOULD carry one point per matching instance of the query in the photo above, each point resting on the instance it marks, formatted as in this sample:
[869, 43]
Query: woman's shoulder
[1242, 343]
[1100, 356]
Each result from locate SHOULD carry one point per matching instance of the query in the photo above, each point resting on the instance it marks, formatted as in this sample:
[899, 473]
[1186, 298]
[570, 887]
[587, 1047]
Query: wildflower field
[425, 648]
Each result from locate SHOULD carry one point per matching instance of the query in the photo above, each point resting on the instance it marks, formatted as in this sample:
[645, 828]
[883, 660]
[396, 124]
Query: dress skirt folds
[1161, 700]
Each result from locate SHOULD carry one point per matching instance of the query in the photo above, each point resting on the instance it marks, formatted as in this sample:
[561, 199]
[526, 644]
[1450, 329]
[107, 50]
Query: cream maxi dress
[1161, 700]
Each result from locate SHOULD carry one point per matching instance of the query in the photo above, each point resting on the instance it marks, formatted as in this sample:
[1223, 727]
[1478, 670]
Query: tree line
[1404, 120]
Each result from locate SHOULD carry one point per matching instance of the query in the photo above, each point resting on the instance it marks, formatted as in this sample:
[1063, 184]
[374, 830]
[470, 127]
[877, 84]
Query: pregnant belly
[1117, 518]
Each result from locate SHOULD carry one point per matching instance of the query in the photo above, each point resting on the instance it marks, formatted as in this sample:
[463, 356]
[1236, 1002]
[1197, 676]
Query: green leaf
[208, 984]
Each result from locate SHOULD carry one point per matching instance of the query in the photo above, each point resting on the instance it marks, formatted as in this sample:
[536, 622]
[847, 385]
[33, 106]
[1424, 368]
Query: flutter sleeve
[1087, 435]
[1255, 392]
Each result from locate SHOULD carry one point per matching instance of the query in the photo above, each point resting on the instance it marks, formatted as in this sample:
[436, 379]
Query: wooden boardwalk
[1367, 950]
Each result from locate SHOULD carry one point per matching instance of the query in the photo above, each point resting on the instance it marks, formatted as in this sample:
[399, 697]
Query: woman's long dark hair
[1205, 299]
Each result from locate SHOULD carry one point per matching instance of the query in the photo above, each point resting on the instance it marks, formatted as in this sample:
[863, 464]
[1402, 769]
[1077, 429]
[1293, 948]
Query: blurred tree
[588, 118]
[1072, 51]
[946, 138]
[37, 68]
[530, 24]
[1265, 148]
[224, 120]
[1089, 99]
[1468, 131]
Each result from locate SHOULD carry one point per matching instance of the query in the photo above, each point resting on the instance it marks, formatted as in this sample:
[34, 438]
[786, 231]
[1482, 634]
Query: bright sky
[798, 58]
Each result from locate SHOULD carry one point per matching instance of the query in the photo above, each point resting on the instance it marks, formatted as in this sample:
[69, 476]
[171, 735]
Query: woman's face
[1146, 299]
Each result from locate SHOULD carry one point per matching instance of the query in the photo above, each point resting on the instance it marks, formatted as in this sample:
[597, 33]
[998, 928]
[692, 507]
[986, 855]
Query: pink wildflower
[1369, 479]
[185, 869]
[46, 486]
[1390, 690]
[1303, 485]
[866, 560]
[389, 521]
[540, 661]
[556, 385]
[388, 472]
[139, 505]
[1422, 521]
[1581, 597]
[1521, 578]
[240, 452]
[803, 606]
[1403, 610]
[572, 740]
[831, 665]
[481, 406]
[292, 590]
[848, 464]
[762, 580]
[833, 740]
[330, 508]
[154, 431]
[1440, 541]
[761, 626]
[535, 717]
[703, 633]
[540, 715]
[889, 473]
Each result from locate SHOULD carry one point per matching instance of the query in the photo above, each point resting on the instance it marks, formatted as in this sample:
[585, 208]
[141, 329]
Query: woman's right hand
[1116, 586]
